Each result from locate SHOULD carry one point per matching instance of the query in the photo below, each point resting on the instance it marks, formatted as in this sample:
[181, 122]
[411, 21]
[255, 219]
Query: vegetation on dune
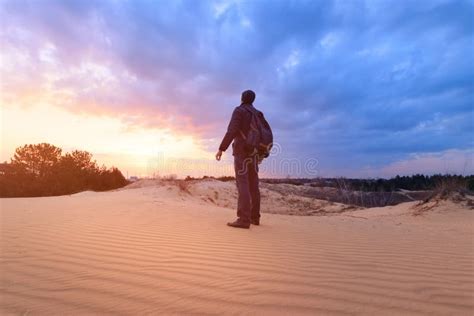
[370, 192]
[42, 170]
[223, 178]
[417, 182]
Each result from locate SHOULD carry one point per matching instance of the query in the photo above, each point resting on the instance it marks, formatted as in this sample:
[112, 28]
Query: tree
[37, 160]
[41, 170]
[81, 160]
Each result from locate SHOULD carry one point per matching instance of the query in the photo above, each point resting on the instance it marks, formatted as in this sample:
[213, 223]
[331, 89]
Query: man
[245, 164]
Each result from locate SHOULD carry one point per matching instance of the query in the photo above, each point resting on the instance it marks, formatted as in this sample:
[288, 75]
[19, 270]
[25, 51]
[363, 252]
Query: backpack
[259, 139]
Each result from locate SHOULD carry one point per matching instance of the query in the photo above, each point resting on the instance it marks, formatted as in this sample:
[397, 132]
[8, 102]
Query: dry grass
[448, 189]
[361, 198]
[183, 186]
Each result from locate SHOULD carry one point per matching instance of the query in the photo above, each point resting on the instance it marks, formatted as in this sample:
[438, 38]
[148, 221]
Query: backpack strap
[248, 109]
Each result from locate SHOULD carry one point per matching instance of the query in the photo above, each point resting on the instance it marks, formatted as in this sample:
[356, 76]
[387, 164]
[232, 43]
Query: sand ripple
[138, 252]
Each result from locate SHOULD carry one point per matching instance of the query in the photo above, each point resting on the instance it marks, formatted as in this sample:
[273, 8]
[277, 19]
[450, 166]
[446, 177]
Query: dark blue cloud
[376, 81]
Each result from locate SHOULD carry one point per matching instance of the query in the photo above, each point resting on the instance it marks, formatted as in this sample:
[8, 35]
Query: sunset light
[236, 157]
[126, 81]
[133, 149]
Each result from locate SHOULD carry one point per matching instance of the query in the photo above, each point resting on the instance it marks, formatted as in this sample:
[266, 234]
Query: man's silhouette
[245, 165]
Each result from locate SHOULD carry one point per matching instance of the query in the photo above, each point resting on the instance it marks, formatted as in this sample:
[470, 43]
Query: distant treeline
[42, 170]
[415, 182]
[223, 179]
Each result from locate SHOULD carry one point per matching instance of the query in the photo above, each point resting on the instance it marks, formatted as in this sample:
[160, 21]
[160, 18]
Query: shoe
[255, 221]
[239, 224]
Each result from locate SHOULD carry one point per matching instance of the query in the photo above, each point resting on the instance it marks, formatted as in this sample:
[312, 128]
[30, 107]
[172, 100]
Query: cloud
[376, 81]
[448, 162]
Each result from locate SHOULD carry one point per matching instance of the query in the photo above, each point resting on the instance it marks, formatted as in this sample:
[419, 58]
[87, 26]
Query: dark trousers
[246, 176]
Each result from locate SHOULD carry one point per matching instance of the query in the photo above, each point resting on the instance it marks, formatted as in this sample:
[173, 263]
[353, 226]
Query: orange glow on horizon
[135, 151]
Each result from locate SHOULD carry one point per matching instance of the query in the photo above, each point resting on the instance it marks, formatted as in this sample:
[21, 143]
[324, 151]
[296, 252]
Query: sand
[158, 250]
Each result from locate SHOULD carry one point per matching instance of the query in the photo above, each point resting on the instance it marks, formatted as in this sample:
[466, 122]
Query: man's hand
[219, 155]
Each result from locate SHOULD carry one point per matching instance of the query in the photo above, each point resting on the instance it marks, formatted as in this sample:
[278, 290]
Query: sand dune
[224, 194]
[158, 250]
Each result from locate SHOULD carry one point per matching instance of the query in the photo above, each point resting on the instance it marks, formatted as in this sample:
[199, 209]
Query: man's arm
[232, 129]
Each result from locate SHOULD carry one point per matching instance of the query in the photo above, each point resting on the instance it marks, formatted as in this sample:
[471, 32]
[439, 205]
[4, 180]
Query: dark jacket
[240, 121]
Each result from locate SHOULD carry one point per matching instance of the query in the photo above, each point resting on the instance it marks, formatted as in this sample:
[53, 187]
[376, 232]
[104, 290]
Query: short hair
[248, 96]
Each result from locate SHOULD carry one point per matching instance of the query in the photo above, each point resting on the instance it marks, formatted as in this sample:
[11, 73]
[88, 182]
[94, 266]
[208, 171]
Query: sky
[351, 88]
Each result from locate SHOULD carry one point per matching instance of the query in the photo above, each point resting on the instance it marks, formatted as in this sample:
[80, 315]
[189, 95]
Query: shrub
[41, 170]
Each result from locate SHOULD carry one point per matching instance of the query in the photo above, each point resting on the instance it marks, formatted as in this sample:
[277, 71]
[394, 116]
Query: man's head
[248, 96]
